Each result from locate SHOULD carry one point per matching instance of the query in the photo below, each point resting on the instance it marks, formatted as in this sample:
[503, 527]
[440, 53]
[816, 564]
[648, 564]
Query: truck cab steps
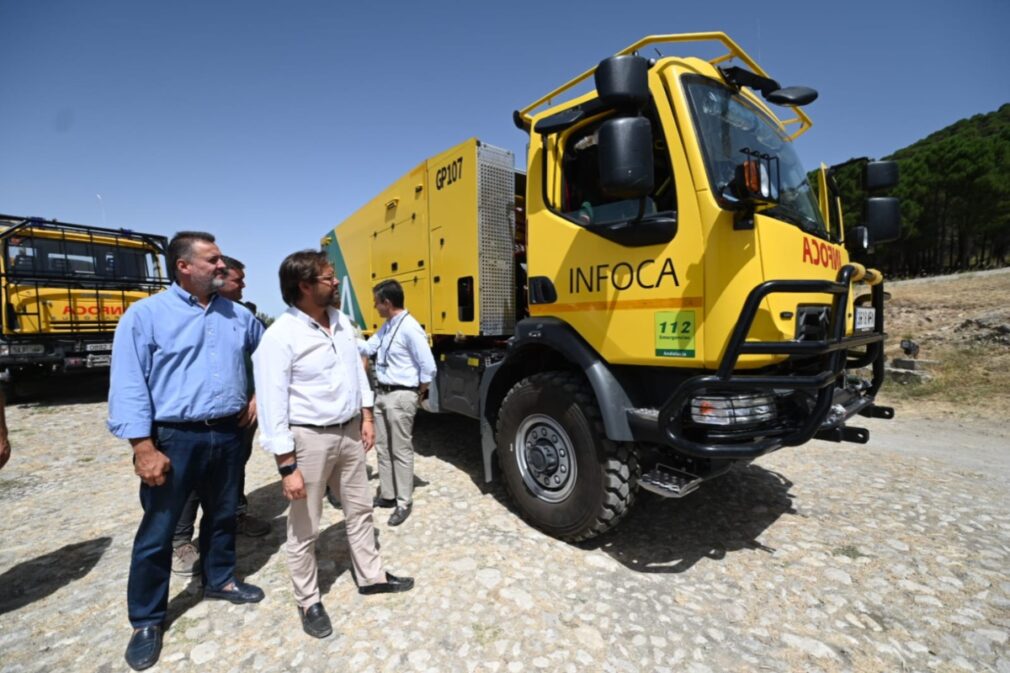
[669, 482]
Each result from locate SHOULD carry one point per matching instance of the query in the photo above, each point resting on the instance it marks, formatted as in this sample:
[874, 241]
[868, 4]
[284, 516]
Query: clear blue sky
[266, 123]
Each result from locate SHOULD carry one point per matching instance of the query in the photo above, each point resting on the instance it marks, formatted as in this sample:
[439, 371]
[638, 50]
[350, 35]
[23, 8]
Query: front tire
[565, 476]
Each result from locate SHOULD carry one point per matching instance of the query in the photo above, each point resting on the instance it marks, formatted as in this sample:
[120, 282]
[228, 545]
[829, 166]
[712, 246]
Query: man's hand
[368, 433]
[5, 451]
[248, 415]
[294, 486]
[150, 464]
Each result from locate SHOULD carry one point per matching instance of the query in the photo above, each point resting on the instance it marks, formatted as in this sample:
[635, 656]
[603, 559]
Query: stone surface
[822, 558]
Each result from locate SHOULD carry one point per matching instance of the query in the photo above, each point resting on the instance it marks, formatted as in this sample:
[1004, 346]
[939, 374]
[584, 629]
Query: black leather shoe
[333, 499]
[399, 515]
[240, 593]
[315, 621]
[385, 503]
[144, 648]
[392, 585]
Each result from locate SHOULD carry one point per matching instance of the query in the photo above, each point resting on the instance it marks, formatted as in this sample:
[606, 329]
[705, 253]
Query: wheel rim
[545, 458]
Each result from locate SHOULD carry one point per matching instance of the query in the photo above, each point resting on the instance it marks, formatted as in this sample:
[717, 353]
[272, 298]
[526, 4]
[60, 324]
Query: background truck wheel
[566, 477]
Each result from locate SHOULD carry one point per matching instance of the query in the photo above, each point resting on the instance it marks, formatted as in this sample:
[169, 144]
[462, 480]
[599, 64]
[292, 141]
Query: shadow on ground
[33, 580]
[659, 535]
[86, 388]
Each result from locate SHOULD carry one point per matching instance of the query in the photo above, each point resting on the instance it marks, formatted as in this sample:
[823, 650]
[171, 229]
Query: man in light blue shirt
[178, 394]
[404, 368]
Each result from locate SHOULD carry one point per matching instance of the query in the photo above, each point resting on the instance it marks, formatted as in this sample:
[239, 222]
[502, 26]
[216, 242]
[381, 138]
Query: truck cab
[64, 287]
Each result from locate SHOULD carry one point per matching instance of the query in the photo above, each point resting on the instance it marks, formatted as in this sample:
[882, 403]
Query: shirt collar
[304, 317]
[395, 319]
[190, 299]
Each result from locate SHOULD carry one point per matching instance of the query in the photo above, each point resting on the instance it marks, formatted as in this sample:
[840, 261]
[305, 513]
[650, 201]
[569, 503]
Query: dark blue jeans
[187, 521]
[205, 460]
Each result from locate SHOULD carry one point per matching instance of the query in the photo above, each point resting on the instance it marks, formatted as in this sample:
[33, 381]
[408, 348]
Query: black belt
[199, 425]
[322, 427]
[383, 388]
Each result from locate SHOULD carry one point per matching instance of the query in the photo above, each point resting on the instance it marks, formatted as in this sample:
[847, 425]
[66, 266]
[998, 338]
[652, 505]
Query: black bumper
[831, 404]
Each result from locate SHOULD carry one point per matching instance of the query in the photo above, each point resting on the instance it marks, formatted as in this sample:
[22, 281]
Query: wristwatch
[285, 470]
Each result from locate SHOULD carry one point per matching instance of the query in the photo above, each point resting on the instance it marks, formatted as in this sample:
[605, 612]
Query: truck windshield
[36, 256]
[728, 125]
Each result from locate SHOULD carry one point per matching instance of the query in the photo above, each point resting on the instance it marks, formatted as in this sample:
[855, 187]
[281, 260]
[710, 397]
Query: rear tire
[565, 476]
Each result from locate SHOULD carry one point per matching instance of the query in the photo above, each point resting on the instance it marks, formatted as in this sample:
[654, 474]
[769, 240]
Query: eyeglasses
[327, 279]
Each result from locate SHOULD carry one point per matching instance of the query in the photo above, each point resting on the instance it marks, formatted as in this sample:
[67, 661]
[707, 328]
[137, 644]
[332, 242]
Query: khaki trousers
[394, 444]
[335, 457]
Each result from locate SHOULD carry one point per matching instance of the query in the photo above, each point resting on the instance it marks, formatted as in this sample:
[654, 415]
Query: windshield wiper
[795, 217]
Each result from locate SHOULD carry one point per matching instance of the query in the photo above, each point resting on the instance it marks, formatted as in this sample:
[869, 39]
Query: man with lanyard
[315, 415]
[404, 367]
[178, 394]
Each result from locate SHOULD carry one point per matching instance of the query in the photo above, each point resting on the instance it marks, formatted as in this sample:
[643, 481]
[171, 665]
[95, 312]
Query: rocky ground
[891, 556]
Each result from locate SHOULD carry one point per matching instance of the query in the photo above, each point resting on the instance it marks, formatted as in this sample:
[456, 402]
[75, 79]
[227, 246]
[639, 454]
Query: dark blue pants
[187, 521]
[205, 460]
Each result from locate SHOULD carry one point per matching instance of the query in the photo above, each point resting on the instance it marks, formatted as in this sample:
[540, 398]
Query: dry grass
[961, 322]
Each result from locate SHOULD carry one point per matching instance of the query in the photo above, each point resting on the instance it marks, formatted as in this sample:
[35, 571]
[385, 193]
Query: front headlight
[745, 409]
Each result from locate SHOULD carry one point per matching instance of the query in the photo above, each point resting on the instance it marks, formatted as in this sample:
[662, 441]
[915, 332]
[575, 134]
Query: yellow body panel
[453, 236]
[422, 232]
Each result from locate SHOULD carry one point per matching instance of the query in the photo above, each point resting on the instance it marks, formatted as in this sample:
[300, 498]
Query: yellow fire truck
[662, 293]
[64, 287]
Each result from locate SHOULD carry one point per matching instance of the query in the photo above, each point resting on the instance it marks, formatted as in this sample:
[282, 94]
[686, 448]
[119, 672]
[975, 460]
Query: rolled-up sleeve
[131, 409]
[272, 374]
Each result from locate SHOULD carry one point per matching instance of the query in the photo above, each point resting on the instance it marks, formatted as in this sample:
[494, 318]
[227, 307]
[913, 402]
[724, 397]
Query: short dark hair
[181, 247]
[391, 291]
[298, 267]
[232, 264]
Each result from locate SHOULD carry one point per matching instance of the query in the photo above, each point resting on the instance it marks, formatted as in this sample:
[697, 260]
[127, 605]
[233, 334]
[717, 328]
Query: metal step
[669, 482]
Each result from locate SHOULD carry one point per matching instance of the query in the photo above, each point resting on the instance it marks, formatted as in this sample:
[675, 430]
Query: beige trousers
[394, 444]
[335, 457]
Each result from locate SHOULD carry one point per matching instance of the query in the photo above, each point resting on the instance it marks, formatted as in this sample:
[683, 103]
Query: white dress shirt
[402, 354]
[306, 375]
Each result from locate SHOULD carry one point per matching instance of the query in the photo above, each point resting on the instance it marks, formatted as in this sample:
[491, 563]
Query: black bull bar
[835, 350]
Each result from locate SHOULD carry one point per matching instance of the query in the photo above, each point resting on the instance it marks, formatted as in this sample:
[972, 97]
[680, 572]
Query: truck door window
[583, 201]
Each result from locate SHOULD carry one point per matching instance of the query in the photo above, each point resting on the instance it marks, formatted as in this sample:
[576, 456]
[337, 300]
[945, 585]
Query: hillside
[955, 199]
[963, 322]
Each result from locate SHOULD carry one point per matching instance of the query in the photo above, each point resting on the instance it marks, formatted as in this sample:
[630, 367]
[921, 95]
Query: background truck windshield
[36, 256]
[727, 125]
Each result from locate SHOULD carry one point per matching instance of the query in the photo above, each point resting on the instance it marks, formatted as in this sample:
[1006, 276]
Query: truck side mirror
[880, 175]
[857, 240]
[882, 217]
[625, 152]
[623, 82]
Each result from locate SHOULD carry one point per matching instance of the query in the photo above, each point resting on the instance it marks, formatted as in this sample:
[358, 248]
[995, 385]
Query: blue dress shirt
[176, 361]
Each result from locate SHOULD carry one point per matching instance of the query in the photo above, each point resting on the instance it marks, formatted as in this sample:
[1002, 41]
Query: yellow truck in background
[660, 295]
[64, 287]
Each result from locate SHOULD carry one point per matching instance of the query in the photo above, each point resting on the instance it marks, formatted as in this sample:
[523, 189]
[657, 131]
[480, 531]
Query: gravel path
[825, 558]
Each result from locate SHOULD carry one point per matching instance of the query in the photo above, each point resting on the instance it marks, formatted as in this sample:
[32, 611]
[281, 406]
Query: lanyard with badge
[382, 359]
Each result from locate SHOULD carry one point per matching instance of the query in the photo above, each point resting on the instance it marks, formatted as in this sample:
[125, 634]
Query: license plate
[865, 319]
[98, 348]
[28, 349]
[99, 360]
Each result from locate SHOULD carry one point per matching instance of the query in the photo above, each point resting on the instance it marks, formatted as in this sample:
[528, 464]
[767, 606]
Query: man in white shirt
[315, 416]
[404, 367]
